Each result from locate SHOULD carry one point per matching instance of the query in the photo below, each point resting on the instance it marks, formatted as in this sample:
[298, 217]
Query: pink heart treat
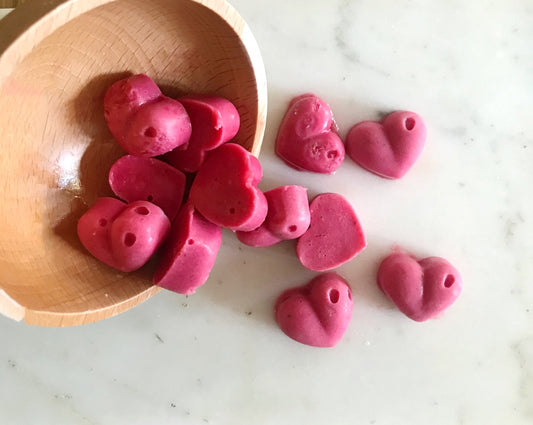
[124, 97]
[307, 137]
[142, 120]
[288, 214]
[258, 238]
[421, 289]
[123, 236]
[225, 189]
[335, 235]
[388, 148]
[189, 253]
[316, 314]
[214, 121]
[135, 178]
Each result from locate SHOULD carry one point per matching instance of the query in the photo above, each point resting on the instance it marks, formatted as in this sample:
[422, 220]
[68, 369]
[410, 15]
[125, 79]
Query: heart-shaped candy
[318, 313]
[123, 236]
[225, 189]
[335, 235]
[258, 238]
[288, 214]
[307, 137]
[421, 289]
[142, 120]
[189, 253]
[214, 120]
[136, 178]
[388, 148]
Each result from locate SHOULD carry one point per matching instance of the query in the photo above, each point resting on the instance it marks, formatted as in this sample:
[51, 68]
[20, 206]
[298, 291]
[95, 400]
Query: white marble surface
[218, 358]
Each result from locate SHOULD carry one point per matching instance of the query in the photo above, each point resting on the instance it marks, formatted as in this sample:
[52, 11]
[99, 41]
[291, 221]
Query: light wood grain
[57, 58]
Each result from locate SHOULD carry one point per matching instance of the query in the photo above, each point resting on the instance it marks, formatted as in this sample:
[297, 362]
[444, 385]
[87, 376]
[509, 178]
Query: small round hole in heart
[149, 198]
[293, 228]
[190, 241]
[129, 239]
[142, 210]
[334, 296]
[449, 281]
[410, 123]
[150, 132]
[332, 154]
[102, 222]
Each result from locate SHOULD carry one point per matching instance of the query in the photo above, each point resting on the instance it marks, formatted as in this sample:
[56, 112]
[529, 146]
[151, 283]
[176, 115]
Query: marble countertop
[218, 358]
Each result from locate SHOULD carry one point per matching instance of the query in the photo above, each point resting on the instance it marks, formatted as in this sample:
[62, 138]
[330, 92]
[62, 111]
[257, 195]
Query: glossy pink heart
[421, 289]
[307, 137]
[318, 313]
[123, 236]
[388, 148]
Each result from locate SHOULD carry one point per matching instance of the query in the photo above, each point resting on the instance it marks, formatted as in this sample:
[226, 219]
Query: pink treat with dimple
[421, 289]
[190, 252]
[225, 189]
[335, 235]
[318, 313]
[288, 214]
[135, 178]
[214, 120]
[142, 120]
[258, 238]
[124, 97]
[388, 148]
[123, 236]
[307, 137]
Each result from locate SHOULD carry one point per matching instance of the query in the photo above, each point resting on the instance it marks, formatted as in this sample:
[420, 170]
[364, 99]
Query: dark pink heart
[421, 289]
[388, 148]
[335, 235]
[307, 137]
[318, 313]
[214, 120]
[123, 236]
[225, 189]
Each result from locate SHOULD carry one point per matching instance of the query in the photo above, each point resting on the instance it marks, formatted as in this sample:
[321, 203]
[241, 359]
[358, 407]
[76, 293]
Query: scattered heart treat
[214, 120]
[307, 137]
[258, 238]
[388, 148]
[288, 214]
[135, 178]
[123, 236]
[421, 289]
[335, 235]
[318, 313]
[189, 253]
[142, 120]
[225, 189]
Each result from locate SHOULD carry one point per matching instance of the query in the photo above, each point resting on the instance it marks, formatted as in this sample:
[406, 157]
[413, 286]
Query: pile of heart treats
[183, 180]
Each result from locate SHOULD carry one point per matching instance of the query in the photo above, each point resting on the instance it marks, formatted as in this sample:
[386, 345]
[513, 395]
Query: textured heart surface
[136, 178]
[307, 137]
[225, 189]
[189, 253]
[421, 289]
[335, 235]
[317, 313]
[388, 148]
[214, 120]
[123, 236]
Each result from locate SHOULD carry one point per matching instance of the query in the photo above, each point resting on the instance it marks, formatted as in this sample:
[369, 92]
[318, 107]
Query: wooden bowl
[57, 59]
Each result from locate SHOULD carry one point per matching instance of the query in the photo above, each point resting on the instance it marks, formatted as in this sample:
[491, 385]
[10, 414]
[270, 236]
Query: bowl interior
[57, 150]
